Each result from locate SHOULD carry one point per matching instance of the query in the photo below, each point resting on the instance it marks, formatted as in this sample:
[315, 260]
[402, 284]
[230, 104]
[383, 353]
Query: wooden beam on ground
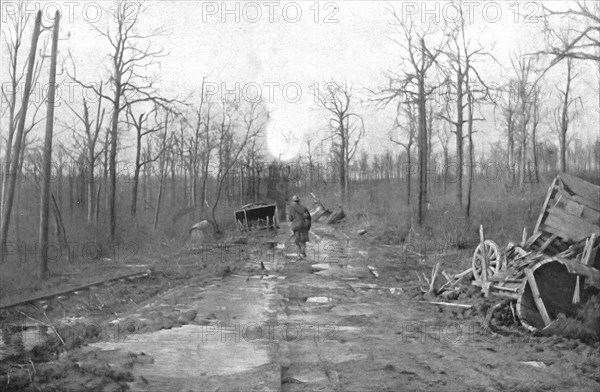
[539, 302]
[448, 277]
[71, 289]
[464, 273]
[451, 304]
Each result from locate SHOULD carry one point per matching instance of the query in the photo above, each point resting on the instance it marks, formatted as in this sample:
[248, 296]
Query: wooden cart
[256, 216]
[545, 273]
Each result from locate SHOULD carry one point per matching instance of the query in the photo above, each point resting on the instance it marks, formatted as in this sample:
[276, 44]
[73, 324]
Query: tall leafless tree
[132, 59]
[413, 86]
[19, 133]
[347, 129]
[563, 114]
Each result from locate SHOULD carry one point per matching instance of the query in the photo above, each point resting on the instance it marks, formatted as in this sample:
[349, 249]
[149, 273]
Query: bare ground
[226, 324]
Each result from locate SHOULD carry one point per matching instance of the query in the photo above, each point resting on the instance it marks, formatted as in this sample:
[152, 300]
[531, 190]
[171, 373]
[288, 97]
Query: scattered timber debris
[319, 211]
[545, 274]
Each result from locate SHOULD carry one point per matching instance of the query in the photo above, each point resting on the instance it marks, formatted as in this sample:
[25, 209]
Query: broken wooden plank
[537, 297]
[577, 268]
[512, 289]
[451, 304]
[545, 205]
[569, 227]
[336, 216]
[447, 276]
[547, 243]
[575, 205]
[534, 237]
[464, 273]
[589, 193]
[588, 254]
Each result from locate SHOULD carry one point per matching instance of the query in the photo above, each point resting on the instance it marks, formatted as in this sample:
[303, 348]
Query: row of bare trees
[198, 153]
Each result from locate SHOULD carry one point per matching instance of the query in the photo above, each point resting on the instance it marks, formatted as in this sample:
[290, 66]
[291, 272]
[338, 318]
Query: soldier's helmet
[295, 198]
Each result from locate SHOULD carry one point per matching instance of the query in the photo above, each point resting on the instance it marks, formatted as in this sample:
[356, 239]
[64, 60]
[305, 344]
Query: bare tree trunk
[47, 161]
[97, 209]
[10, 191]
[61, 233]
[564, 118]
[471, 164]
[105, 175]
[163, 161]
[422, 200]
[459, 134]
[112, 158]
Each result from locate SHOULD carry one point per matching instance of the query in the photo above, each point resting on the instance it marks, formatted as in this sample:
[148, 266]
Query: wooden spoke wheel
[494, 260]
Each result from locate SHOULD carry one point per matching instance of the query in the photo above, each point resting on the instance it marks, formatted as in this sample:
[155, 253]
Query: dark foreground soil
[364, 325]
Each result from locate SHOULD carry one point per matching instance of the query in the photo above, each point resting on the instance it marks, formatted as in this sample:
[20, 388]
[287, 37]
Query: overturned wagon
[256, 216]
[546, 273]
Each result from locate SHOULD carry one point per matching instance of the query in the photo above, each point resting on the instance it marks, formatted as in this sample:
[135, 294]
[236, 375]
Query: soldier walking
[301, 222]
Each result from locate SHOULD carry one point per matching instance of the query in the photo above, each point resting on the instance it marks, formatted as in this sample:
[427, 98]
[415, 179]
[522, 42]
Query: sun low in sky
[291, 49]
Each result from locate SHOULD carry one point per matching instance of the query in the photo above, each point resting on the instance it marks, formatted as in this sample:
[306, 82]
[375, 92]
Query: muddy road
[347, 318]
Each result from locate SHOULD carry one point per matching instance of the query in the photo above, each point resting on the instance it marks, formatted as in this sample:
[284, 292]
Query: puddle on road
[318, 300]
[231, 344]
[192, 351]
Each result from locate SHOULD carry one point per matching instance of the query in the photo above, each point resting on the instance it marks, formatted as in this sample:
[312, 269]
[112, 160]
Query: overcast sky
[285, 50]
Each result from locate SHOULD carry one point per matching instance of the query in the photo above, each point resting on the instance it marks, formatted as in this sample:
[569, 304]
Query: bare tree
[461, 55]
[443, 136]
[88, 142]
[13, 39]
[129, 77]
[142, 132]
[562, 115]
[47, 161]
[410, 126]
[412, 86]
[252, 121]
[347, 129]
[14, 161]
[165, 144]
[580, 40]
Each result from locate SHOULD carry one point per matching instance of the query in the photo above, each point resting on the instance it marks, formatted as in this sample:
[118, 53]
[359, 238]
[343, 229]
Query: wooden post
[536, 297]
[483, 250]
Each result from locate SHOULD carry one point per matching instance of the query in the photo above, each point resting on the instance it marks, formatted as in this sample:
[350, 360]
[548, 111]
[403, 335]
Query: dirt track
[292, 328]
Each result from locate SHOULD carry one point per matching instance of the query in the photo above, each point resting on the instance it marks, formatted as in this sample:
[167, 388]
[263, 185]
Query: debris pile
[319, 211]
[544, 276]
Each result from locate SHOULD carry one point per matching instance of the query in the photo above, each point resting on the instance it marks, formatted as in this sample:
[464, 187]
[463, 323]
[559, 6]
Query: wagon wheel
[494, 260]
